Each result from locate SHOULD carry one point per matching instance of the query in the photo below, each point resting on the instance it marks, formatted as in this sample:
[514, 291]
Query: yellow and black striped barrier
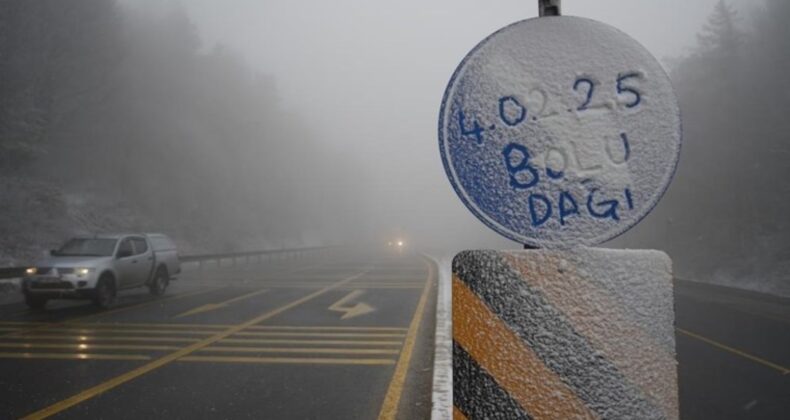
[579, 334]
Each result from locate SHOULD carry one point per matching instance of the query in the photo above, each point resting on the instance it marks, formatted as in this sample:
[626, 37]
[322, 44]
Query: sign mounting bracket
[549, 7]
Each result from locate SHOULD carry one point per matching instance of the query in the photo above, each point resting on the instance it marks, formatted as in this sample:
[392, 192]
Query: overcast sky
[368, 76]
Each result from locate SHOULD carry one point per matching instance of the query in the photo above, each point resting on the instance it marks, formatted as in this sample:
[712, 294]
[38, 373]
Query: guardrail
[256, 256]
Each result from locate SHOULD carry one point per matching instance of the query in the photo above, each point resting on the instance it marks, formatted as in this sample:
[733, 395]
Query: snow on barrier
[582, 333]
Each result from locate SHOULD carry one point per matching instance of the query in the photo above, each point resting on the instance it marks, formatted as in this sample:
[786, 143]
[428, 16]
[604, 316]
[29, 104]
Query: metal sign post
[549, 7]
[561, 133]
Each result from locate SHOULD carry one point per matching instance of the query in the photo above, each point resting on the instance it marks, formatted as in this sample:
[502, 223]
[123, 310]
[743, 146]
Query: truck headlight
[31, 271]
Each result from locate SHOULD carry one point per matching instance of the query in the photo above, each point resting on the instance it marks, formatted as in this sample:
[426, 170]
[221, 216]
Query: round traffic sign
[559, 131]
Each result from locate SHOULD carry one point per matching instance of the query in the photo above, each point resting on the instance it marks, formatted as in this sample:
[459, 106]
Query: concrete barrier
[584, 333]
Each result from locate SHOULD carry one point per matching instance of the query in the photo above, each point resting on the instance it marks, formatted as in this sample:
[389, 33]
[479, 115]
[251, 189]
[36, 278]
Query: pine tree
[720, 36]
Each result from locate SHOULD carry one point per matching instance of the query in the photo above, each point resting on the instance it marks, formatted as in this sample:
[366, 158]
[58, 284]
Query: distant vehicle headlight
[31, 271]
[400, 243]
[84, 271]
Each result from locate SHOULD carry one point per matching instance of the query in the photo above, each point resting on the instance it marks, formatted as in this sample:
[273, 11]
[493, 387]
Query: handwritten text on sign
[553, 156]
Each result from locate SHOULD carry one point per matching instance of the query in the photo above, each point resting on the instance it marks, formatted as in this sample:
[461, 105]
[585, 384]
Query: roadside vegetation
[725, 217]
[116, 119]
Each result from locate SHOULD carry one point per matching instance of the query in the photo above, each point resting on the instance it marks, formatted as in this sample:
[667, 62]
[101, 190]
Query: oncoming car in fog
[97, 267]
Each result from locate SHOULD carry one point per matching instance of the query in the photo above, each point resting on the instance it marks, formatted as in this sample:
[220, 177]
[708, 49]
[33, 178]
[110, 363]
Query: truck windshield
[84, 247]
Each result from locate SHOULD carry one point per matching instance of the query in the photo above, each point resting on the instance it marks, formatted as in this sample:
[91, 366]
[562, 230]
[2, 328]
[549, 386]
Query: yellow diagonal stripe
[457, 414]
[513, 365]
[606, 327]
[214, 306]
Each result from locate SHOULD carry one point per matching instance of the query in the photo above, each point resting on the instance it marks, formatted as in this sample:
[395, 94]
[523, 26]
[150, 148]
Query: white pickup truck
[97, 267]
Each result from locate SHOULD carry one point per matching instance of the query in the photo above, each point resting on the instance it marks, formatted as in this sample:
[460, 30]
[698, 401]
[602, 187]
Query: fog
[371, 76]
[262, 124]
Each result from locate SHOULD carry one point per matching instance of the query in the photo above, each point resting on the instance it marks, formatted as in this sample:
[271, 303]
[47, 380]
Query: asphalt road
[335, 336]
[339, 335]
[733, 353]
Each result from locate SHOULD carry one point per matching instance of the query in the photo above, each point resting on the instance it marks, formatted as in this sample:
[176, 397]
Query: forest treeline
[113, 118]
[726, 216]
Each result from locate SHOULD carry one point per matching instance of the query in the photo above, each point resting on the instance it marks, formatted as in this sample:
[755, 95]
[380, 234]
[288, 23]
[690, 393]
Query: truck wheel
[105, 293]
[159, 283]
[35, 302]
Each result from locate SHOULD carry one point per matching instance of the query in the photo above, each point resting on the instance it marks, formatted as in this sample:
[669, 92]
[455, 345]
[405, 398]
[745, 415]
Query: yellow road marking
[130, 325]
[389, 409]
[78, 356]
[351, 287]
[783, 370]
[155, 364]
[351, 311]
[83, 347]
[147, 302]
[143, 304]
[124, 325]
[112, 331]
[318, 334]
[237, 349]
[87, 338]
[111, 311]
[156, 328]
[325, 327]
[303, 342]
[109, 332]
[86, 346]
[289, 360]
[214, 306]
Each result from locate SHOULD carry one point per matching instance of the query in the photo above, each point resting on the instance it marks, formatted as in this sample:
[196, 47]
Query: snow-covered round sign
[559, 131]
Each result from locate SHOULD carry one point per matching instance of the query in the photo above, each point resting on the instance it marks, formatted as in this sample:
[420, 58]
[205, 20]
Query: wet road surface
[338, 335]
[733, 353]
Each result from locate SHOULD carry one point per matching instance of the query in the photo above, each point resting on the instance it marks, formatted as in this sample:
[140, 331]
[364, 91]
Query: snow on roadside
[442, 398]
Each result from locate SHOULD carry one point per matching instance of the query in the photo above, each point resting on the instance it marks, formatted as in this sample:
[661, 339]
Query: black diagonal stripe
[552, 337]
[477, 394]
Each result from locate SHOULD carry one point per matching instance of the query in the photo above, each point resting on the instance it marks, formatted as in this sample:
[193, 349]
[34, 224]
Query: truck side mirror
[124, 253]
